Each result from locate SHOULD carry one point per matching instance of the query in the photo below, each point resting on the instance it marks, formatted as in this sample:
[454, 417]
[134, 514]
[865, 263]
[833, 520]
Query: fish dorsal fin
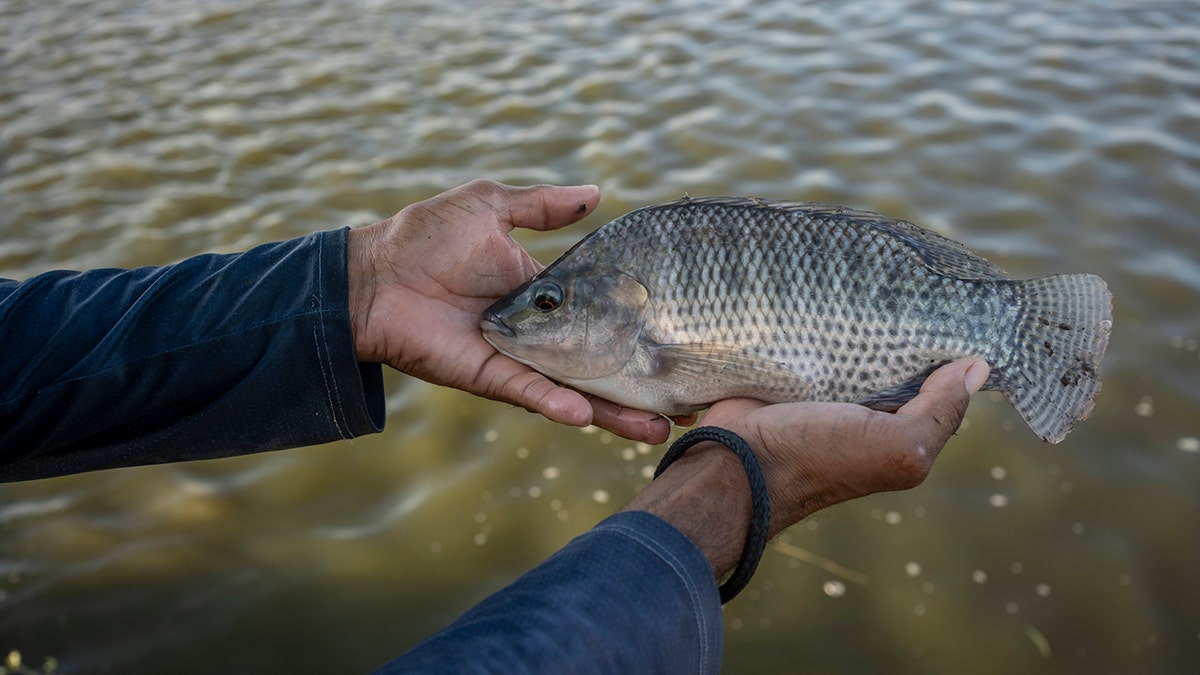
[940, 254]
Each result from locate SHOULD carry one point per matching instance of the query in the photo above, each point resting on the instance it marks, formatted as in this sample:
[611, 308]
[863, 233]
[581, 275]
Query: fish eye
[548, 297]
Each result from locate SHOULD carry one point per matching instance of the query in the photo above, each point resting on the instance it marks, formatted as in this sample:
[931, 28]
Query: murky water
[1052, 136]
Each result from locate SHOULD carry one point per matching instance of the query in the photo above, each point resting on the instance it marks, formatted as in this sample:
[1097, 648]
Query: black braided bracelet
[760, 522]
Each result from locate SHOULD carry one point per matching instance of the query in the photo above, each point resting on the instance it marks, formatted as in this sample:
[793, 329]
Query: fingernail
[977, 373]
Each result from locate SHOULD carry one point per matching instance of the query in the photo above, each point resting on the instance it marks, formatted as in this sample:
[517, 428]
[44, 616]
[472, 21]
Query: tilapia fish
[675, 306]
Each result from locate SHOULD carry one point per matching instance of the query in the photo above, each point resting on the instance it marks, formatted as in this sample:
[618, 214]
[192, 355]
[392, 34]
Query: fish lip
[492, 320]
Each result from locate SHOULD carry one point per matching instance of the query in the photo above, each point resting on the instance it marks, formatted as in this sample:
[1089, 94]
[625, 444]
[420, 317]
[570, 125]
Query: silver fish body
[672, 307]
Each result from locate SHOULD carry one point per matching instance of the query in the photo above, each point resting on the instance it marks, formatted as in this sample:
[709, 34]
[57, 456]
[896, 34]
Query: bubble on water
[892, 518]
[1078, 528]
[590, 429]
[629, 454]
[1188, 444]
[522, 452]
[979, 577]
[555, 504]
[919, 609]
[999, 472]
[998, 500]
[491, 436]
[834, 588]
[648, 471]
[1043, 590]
[1144, 407]
[642, 448]
[550, 472]
[1012, 609]
[600, 496]
[535, 492]
[912, 569]
[481, 517]
[562, 515]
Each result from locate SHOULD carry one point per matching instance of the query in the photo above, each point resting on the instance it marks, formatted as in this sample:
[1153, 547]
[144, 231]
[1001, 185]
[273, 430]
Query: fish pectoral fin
[724, 369]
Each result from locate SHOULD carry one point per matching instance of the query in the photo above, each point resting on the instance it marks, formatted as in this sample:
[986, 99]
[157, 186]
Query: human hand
[420, 280]
[813, 455]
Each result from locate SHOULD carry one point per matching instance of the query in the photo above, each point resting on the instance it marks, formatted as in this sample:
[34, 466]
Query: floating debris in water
[1188, 444]
[912, 569]
[1144, 407]
[522, 452]
[1035, 636]
[1043, 590]
[999, 472]
[998, 501]
[551, 472]
[979, 577]
[834, 588]
[491, 436]
[799, 555]
[600, 496]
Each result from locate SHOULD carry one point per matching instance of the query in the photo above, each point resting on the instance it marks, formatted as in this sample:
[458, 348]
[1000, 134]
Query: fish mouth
[493, 323]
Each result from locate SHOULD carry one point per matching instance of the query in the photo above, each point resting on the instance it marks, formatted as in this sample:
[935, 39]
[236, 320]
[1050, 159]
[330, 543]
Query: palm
[447, 259]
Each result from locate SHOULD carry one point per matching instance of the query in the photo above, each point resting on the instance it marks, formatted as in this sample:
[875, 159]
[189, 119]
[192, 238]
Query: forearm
[214, 356]
[631, 595]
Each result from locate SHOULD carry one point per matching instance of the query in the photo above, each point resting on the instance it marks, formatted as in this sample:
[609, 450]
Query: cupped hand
[818, 454]
[420, 280]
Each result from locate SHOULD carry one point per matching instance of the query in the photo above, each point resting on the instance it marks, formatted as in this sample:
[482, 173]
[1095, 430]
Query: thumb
[549, 207]
[938, 410]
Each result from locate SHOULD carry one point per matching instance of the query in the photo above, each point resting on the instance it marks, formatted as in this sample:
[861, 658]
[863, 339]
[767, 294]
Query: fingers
[536, 393]
[636, 425]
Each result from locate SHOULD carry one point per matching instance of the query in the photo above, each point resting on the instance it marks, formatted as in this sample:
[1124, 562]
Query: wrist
[706, 496]
[361, 242]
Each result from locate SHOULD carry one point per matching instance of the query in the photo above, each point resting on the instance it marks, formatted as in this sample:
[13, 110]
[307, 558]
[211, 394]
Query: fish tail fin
[1062, 332]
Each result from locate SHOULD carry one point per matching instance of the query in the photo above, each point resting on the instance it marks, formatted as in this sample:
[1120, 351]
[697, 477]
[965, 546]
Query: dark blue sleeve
[217, 355]
[632, 595]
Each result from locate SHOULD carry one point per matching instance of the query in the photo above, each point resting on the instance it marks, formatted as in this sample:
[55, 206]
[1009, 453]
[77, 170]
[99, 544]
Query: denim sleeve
[214, 356]
[632, 595]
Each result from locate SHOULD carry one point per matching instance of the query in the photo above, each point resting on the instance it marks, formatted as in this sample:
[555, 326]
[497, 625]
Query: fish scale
[674, 306]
